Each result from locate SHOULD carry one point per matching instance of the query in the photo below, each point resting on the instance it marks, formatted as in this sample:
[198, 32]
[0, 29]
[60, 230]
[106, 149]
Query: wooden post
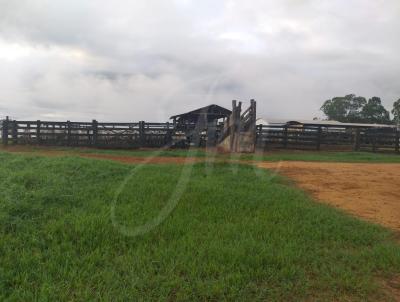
[357, 135]
[4, 134]
[38, 125]
[319, 138]
[168, 138]
[231, 126]
[201, 124]
[259, 135]
[236, 128]
[28, 133]
[285, 136]
[68, 133]
[142, 134]
[94, 131]
[211, 134]
[15, 132]
[374, 137]
[253, 126]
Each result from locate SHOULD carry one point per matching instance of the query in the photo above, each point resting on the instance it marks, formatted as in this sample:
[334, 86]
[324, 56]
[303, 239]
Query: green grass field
[234, 235]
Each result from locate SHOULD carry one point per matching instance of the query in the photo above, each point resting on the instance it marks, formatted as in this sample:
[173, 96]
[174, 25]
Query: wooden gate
[239, 132]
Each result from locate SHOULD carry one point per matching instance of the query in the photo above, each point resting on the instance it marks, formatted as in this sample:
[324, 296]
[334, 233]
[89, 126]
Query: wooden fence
[112, 135]
[327, 138]
[155, 135]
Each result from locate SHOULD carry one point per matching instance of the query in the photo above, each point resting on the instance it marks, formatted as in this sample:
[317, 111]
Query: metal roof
[327, 123]
[339, 124]
[211, 111]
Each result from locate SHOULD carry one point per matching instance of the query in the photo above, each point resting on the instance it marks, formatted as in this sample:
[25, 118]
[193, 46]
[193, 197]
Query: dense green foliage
[356, 109]
[375, 112]
[234, 235]
[396, 112]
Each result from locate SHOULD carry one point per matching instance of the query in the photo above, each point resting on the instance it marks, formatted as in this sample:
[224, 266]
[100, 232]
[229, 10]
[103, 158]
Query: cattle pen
[207, 127]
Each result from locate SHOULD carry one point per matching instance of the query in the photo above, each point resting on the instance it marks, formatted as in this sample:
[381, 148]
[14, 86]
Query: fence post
[285, 136]
[253, 127]
[141, 134]
[169, 135]
[357, 140]
[374, 136]
[238, 128]
[4, 134]
[397, 142]
[259, 136]
[38, 125]
[319, 138]
[68, 133]
[15, 132]
[95, 131]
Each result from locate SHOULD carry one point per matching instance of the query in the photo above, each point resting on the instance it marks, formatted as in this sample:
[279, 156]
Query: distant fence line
[328, 137]
[155, 135]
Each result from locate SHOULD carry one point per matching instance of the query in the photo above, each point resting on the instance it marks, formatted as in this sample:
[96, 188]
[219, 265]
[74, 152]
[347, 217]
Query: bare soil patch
[369, 191]
[142, 160]
[127, 159]
[392, 287]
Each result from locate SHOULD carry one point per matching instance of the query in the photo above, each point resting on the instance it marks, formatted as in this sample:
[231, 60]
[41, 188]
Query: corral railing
[327, 138]
[113, 135]
[155, 135]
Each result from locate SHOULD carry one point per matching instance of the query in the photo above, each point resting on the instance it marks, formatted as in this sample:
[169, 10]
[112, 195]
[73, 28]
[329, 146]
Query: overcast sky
[147, 60]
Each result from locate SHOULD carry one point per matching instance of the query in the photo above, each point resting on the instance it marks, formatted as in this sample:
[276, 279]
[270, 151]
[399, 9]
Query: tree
[396, 112]
[356, 109]
[356, 104]
[375, 112]
[344, 109]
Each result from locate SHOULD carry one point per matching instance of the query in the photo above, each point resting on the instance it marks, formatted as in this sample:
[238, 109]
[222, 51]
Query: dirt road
[370, 191]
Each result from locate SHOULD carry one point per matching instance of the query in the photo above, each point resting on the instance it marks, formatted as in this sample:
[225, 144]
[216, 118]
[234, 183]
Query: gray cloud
[133, 60]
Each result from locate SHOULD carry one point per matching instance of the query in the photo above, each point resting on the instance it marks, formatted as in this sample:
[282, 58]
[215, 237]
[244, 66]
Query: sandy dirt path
[143, 160]
[369, 191]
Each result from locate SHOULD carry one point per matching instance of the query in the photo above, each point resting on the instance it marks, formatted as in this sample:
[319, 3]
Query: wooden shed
[201, 120]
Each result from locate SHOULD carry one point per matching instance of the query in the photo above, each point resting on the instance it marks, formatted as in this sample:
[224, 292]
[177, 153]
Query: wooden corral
[112, 135]
[328, 137]
[237, 133]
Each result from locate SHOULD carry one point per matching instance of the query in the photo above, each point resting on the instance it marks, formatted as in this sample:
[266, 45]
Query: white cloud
[132, 60]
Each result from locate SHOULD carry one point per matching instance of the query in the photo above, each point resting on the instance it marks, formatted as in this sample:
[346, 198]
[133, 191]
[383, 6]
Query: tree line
[357, 109]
